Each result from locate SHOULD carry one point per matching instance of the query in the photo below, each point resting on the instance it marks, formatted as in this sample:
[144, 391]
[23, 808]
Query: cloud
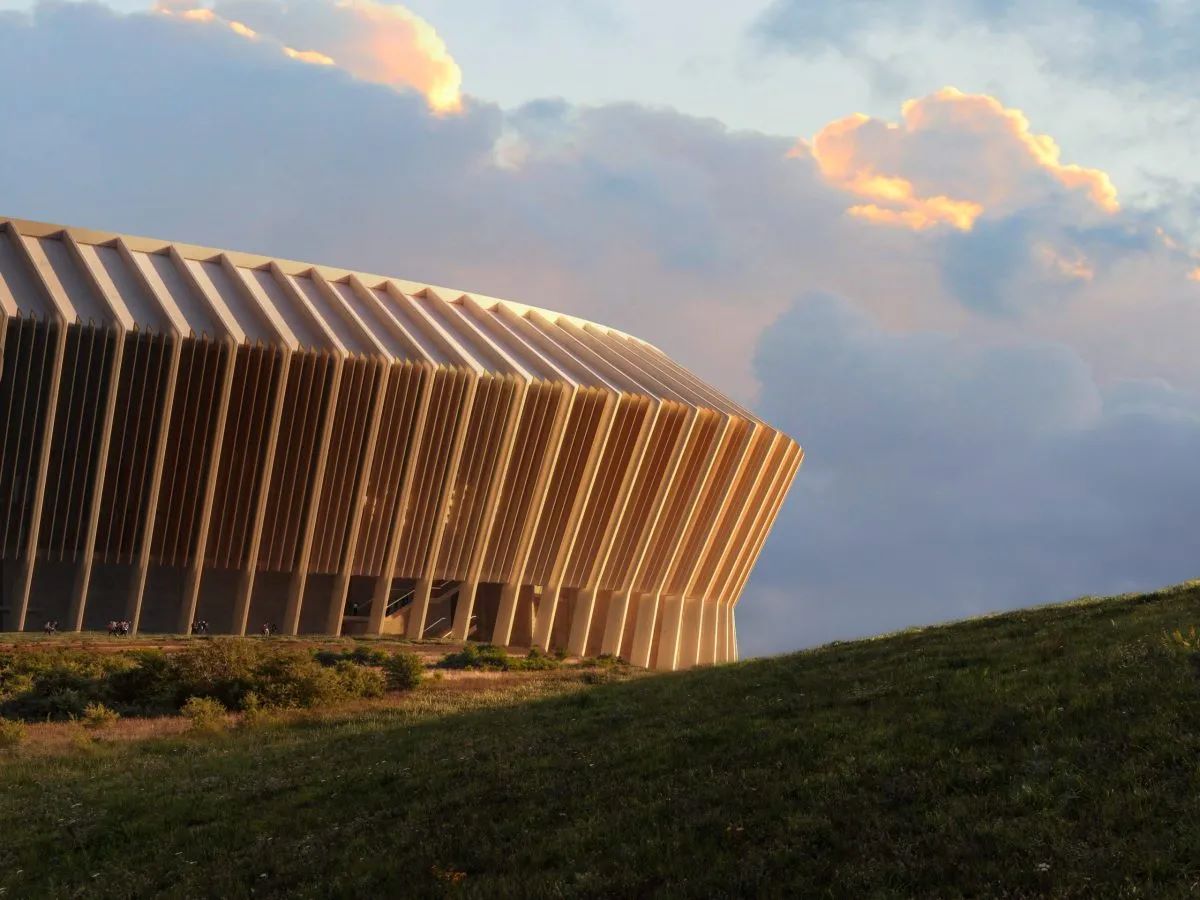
[376, 42]
[948, 476]
[1105, 40]
[952, 158]
[993, 416]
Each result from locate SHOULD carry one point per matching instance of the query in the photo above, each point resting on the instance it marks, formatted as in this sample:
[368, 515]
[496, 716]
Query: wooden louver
[188, 433]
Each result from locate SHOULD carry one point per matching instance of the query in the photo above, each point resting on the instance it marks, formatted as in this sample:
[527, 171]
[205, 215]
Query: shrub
[362, 656]
[466, 658]
[61, 684]
[535, 660]
[360, 681]
[206, 713]
[12, 734]
[368, 656]
[55, 684]
[404, 670]
[476, 656]
[222, 669]
[488, 656]
[328, 657]
[97, 715]
[295, 680]
[150, 685]
[255, 713]
[14, 684]
[279, 677]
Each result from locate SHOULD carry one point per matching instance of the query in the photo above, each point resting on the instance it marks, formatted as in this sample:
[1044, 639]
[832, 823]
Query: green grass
[1049, 751]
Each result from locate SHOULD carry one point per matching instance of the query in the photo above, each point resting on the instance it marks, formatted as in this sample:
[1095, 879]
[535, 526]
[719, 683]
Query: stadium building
[191, 434]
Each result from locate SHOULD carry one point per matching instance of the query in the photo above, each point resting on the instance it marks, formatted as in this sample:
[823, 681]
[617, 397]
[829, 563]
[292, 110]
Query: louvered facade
[195, 434]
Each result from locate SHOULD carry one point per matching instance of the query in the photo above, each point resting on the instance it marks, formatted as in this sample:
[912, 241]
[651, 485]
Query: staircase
[401, 597]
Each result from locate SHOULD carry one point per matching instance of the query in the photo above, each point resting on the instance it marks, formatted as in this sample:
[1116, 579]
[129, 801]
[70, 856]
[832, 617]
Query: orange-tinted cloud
[1072, 265]
[951, 104]
[310, 56]
[390, 45]
[372, 41]
[953, 157]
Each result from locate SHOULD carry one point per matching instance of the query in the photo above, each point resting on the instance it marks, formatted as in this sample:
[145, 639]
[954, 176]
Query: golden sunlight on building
[221, 436]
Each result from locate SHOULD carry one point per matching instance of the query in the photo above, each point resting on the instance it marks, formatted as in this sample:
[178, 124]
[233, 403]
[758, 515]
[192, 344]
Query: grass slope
[1049, 751]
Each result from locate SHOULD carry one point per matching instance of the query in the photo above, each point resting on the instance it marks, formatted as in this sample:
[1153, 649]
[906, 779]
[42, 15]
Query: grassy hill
[1048, 751]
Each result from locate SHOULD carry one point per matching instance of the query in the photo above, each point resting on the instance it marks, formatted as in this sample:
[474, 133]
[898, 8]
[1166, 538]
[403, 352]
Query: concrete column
[543, 626]
[733, 636]
[643, 634]
[420, 608]
[462, 611]
[708, 633]
[669, 636]
[722, 648]
[506, 615]
[689, 634]
[614, 628]
[581, 622]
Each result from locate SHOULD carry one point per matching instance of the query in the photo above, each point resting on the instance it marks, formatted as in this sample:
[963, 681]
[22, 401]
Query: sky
[953, 248]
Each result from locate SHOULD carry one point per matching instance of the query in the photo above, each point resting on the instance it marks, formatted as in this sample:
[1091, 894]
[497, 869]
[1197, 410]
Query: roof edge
[143, 244]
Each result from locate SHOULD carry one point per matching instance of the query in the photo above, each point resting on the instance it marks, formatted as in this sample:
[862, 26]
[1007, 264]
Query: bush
[488, 656]
[535, 660]
[55, 684]
[221, 669]
[476, 656]
[62, 685]
[97, 716]
[362, 656]
[12, 734]
[150, 685]
[404, 670]
[360, 681]
[206, 713]
[255, 713]
[283, 678]
[368, 656]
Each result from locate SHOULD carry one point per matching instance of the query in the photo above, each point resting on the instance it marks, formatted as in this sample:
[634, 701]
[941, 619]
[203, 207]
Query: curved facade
[193, 434]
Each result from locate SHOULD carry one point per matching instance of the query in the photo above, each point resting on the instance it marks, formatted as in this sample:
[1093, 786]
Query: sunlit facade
[193, 434]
